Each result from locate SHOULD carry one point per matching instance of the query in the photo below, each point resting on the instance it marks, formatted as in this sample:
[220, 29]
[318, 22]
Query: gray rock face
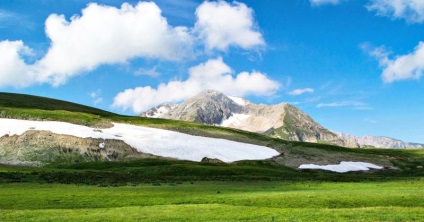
[280, 120]
[209, 107]
[378, 141]
[40, 147]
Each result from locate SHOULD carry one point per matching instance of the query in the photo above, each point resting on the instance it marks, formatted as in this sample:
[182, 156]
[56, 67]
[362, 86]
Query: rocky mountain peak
[208, 107]
[281, 120]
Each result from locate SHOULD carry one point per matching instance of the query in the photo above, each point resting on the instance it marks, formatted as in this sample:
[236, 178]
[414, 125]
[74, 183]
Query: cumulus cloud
[404, 67]
[108, 35]
[101, 35]
[297, 92]
[221, 25]
[324, 2]
[13, 69]
[410, 10]
[213, 74]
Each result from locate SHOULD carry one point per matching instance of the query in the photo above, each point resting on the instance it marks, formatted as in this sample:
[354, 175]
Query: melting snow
[343, 167]
[149, 140]
[234, 120]
[238, 100]
[160, 111]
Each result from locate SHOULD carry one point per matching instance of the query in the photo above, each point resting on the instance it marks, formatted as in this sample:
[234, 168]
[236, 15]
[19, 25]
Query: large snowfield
[149, 140]
[343, 167]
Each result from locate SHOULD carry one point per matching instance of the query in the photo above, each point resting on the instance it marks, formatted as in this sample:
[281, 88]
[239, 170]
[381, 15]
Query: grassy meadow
[166, 190]
[215, 201]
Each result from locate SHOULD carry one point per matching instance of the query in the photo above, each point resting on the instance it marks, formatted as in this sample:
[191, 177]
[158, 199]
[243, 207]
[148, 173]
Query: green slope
[22, 101]
[292, 153]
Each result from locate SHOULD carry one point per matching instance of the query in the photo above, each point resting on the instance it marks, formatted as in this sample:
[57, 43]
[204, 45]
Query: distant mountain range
[378, 141]
[281, 120]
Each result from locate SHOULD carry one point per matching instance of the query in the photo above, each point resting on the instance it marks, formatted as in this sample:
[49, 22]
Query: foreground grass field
[168, 190]
[215, 201]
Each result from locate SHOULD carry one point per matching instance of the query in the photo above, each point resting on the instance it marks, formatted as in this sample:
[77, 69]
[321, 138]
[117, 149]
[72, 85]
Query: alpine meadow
[217, 110]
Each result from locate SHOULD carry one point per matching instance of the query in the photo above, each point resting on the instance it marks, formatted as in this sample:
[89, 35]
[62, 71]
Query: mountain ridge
[379, 141]
[281, 120]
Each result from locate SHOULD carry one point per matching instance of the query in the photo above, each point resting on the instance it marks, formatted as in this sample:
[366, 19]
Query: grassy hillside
[21, 101]
[293, 153]
[171, 190]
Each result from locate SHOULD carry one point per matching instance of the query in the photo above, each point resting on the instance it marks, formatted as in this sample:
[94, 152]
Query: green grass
[22, 101]
[215, 201]
[168, 190]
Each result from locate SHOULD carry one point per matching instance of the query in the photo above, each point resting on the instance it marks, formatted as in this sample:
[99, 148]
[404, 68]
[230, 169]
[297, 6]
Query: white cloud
[324, 2]
[297, 92]
[410, 10]
[13, 69]
[356, 105]
[221, 25]
[108, 35]
[404, 67]
[101, 35]
[213, 74]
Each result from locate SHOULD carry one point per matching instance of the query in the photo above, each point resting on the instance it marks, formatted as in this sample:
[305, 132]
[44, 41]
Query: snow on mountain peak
[234, 120]
[158, 111]
[240, 101]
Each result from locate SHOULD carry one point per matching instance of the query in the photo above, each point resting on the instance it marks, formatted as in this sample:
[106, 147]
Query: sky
[354, 66]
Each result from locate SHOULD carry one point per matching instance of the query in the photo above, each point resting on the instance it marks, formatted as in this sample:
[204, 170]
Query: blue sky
[355, 66]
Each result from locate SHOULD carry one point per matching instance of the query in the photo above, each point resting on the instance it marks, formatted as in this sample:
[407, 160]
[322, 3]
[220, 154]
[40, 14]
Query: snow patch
[234, 120]
[149, 140]
[343, 167]
[239, 101]
[160, 111]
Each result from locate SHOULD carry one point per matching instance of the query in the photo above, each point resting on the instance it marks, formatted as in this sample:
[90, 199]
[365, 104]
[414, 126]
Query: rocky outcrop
[40, 147]
[211, 160]
[298, 126]
[208, 107]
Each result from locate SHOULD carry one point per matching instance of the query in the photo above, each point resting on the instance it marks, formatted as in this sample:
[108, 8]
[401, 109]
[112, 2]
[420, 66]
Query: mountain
[378, 141]
[281, 120]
